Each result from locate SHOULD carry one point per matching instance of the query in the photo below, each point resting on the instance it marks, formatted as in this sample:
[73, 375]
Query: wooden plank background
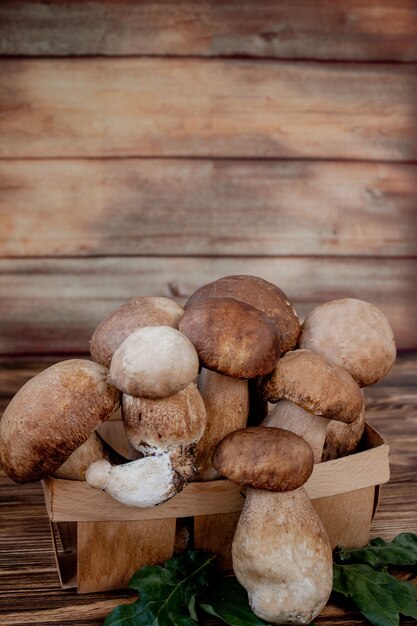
[149, 147]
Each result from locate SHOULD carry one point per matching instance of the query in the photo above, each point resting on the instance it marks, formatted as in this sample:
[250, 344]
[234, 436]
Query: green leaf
[166, 594]
[228, 600]
[401, 551]
[380, 597]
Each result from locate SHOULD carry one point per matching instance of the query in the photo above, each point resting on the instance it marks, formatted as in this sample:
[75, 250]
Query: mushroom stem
[312, 428]
[282, 556]
[143, 483]
[227, 404]
[94, 449]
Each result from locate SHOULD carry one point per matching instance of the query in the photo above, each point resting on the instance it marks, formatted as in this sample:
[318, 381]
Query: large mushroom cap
[154, 362]
[130, 316]
[261, 294]
[353, 334]
[232, 337]
[264, 458]
[317, 385]
[52, 415]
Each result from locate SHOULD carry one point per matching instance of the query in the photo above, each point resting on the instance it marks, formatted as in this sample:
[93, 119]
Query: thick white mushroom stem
[282, 556]
[94, 449]
[312, 428]
[143, 483]
[227, 404]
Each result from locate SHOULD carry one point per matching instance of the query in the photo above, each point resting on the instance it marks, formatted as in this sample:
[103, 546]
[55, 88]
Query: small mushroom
[52, 415]
[130, 316]
[281, 553]
[154, 362]
[261, 294]
[353, 334]
[323, 389]
[227, 404]
[232, 337]
[173, 425]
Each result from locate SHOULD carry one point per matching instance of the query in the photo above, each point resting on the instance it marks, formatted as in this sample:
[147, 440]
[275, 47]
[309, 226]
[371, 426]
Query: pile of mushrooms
[195, 387]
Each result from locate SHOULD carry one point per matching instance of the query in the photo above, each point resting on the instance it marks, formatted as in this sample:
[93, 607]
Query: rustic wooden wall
[150, 146]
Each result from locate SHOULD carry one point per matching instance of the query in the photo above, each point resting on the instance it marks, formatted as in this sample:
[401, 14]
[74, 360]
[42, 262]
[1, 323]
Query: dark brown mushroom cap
[129, 317]
[52, 415]
[261, 294]
[264, 458]
[317, 385]
[231, 337]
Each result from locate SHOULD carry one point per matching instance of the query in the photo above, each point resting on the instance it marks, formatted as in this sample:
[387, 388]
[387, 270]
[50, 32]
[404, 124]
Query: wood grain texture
[54, 305]
[29, 585]
[151, 107]
[354, 30]
[109, 553]
[206, 207]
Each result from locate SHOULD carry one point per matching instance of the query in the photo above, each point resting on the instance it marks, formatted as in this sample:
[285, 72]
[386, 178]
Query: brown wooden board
[354, 30]
[30, 592]
[53, 305]
[151, 107]
[206, 207]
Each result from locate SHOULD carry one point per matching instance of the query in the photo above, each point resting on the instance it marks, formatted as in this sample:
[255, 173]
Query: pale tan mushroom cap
[260, 294]
[353, 334]
[232, 337]
[317, 385]
[178, 420]
[154, 362]
[52, 415]
[130, 316]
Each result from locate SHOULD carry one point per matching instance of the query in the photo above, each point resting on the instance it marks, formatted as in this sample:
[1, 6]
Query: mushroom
[130, 316]
[166, 431]
[232, 337]
[281, 553]
[353, 334]
[173, 425]
[227, 404]
[154, 362]
[52, 415]
[261, 294]
[337, 440]
[323, 389]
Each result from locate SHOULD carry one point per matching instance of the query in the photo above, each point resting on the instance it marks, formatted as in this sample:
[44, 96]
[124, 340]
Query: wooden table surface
[29, 587]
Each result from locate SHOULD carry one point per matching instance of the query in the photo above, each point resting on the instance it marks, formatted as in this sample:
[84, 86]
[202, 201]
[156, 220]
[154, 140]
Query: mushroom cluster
[195, 386]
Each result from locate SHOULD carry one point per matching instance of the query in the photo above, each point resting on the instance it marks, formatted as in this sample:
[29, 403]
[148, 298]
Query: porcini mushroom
[260, 294]
[52, 415]
[129, 317]
[154, 362]
[231, 337]
[227, 404]
[323, 389]
[281, 553]
[173, 425]
[354, 334]
[166, 431]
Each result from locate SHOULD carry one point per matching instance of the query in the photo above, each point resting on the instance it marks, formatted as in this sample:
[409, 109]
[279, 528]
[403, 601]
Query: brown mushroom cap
[353, 334]
[264, 458]
[130, 316]
[231, 337]
[261, 294]
[154, 362]
[52, 415]
[317, 385]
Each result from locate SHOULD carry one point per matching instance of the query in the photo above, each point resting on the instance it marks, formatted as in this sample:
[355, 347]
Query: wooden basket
[100, 542]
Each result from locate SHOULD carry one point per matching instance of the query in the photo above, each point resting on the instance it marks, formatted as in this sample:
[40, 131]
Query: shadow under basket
[99, 542]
